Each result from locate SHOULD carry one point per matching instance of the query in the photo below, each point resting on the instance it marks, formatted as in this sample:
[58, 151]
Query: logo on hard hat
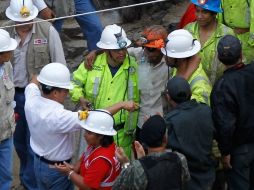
[202, 2]
[24, 12]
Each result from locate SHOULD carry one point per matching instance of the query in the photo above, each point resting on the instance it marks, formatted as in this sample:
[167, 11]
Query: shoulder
[133, 177]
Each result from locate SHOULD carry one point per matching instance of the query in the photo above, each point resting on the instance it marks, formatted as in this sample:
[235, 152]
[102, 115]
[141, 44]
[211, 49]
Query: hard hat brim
[110, 46]
[68, 86]
[196, 48]
[9, 14]
[12, 46]
[92, 129]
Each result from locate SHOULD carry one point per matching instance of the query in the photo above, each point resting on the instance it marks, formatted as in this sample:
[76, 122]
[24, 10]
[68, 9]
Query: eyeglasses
[150, 49]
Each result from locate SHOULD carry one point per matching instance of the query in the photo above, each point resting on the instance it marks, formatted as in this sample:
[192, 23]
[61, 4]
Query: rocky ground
[74, 44]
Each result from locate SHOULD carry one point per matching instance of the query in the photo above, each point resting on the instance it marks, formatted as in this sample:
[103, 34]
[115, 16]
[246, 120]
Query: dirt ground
[172, 15]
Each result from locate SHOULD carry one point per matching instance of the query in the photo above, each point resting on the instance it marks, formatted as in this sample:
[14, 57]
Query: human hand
[130, 105]
[226, 162]
[85, 104]
[139, 150]
[89, 60]
[64, 168]
[121, 156]
[47, 13]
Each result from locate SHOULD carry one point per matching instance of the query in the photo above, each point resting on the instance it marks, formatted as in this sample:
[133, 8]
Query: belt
[52, 162]
[119, 127]
[18, 89]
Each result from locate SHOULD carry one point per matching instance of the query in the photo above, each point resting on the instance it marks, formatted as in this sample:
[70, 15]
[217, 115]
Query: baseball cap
[229, 48]
[179, 89]
[153, 131]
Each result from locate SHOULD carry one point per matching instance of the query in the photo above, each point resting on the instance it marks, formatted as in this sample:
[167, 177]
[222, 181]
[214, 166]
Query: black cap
[153, 131]
[179, 89]
[229, 49]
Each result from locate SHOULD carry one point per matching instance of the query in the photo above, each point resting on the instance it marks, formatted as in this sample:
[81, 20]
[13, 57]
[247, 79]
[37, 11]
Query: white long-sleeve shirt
[51, 126]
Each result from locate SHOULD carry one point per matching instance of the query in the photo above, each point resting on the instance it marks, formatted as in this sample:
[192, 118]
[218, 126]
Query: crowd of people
[159, 111]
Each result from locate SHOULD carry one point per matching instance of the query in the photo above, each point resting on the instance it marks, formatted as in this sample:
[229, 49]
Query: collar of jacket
[235, 67]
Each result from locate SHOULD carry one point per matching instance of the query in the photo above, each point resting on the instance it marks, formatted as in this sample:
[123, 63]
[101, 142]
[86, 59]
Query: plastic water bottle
[144, 73]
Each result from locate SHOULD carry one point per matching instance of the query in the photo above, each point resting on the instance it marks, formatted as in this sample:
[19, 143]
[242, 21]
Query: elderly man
[38, 45]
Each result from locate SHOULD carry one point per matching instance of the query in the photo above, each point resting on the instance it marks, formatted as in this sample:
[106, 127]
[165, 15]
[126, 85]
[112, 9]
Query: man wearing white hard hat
[51, 126]
[98, 167]
[112, 79]
[38, 45]
[180, 48]
[7, 118]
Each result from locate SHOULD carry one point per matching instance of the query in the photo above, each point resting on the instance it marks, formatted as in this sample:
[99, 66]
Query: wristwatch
[125, 165]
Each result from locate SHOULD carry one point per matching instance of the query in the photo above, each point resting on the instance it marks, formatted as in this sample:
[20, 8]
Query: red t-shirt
[97, 172]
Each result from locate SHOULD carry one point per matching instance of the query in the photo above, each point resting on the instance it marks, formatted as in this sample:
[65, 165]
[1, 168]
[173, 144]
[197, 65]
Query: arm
[78, 81]
[90, 58]
[56, 47]
[251, 39]
[44, 11]
[224, 117]
[72, 174]
[127, 105]
[191, 67]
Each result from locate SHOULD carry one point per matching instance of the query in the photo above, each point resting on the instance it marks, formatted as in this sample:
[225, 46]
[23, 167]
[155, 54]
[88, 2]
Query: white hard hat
[100, 122]
[19, 12]
[113, 37]
[56, 75]
[181, 44]
[7, 43]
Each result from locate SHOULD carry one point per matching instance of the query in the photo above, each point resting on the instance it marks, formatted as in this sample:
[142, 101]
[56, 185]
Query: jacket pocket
[41, 56]
[9, 86]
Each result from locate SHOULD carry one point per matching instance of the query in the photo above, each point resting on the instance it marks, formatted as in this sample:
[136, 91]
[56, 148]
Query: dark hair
[46, 89]
[106, 140]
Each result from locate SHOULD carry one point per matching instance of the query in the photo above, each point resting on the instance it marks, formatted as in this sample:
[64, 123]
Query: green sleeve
[201, 91]
[251, 39]
[78, 82]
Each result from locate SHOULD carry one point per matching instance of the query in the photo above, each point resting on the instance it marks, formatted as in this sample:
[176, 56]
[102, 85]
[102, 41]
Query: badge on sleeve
[132, 70]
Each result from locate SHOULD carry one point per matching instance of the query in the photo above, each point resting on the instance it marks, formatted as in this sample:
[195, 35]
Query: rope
[87, 13]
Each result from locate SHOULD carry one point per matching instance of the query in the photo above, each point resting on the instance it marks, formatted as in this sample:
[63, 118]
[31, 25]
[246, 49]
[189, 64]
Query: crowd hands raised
[160, 111]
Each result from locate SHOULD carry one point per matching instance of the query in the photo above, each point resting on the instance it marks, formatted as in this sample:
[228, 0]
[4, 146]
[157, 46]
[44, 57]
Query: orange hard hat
[155, 35]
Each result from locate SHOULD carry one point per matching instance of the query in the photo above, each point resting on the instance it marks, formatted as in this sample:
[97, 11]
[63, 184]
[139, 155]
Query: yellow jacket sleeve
[78, 82]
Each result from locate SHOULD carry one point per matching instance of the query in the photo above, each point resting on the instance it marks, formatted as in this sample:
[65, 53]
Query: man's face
[24, 28]
[154, 55]
[61, 95]
[172, 62]
[5, 56]
[118, 55]
[204, 17]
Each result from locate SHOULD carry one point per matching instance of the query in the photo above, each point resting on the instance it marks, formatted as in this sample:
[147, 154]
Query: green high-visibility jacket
[102, 90]
[200, 85]
[208, 53]
[240, 14]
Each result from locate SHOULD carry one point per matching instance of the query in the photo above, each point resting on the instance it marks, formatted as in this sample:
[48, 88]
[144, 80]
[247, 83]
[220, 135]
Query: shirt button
[108, 98]
[111, 82]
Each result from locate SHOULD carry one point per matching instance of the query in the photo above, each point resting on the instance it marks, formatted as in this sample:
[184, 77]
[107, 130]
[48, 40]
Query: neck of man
[156, 149]
[112, 62]
[51, 97]
[209, 27]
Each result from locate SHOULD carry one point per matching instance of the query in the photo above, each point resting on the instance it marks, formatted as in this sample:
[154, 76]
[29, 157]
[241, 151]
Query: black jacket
[232, 102]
